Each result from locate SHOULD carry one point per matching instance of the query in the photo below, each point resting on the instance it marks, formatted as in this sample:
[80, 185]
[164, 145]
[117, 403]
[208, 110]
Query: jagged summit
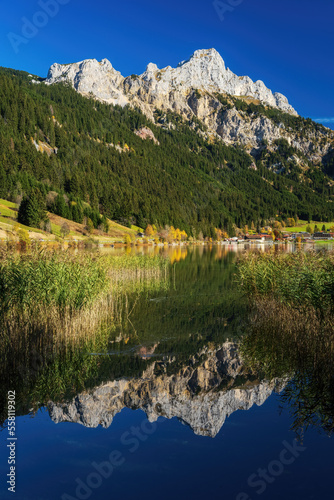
[205, 70]
[91, 77]
[196, 88]
[206, 55]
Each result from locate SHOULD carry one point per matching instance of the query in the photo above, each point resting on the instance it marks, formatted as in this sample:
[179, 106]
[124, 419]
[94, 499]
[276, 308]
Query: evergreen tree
[32, 210]
[60, 207]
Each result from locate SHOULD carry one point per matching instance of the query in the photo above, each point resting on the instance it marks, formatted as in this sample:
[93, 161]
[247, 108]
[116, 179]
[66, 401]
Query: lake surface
[161, 403]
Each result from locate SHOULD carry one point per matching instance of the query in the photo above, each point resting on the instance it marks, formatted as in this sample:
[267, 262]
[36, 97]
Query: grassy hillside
[304, 224]
[57, 141]
[9, 226]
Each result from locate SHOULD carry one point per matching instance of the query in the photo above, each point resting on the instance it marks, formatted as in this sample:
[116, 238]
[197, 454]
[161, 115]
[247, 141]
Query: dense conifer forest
[53, 140]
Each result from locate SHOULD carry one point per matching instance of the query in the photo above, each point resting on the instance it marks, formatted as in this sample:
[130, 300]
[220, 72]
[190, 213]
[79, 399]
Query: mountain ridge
[219, 163]
[231, 108]
[204, 70]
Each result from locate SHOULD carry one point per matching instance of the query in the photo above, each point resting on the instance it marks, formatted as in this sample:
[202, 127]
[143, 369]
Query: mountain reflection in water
[172, 353]
[213, 385]
[185, 349]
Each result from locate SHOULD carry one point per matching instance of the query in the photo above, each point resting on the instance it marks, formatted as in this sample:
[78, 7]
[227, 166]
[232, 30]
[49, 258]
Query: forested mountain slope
[58, 141]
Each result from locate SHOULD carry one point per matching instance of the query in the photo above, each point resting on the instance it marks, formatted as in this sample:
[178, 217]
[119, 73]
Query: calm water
[162, 404]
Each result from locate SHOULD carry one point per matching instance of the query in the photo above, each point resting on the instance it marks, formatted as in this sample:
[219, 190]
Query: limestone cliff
[205, 71]
[195, 90]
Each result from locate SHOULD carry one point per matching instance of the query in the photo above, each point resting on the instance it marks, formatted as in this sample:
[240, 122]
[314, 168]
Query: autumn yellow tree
[149, 231]
[127, 239]
[89, 226]
[219, 233]
[172, 234]
[24, 238]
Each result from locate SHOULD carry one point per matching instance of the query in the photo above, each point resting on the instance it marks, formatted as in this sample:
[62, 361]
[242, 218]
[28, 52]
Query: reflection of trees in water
[42, 362]
[309, 398]
[288, 342]
[193, 305]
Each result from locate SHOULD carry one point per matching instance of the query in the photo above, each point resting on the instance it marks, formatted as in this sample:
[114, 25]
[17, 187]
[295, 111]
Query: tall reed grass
[41, 279]
[56, 308]
[291, 330]
[69, 293]
[300, 280]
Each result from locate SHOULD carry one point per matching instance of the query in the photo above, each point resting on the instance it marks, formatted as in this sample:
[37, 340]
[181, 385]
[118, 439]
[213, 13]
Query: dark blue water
[192, 454]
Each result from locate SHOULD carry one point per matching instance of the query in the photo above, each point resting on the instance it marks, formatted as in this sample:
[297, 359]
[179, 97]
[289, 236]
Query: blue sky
[286, 43]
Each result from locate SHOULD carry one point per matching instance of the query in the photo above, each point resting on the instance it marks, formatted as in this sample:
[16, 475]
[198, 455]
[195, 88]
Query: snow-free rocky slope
[196, 89]
[205, 71]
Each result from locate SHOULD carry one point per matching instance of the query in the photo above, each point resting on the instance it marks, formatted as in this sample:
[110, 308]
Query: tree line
[186, 182]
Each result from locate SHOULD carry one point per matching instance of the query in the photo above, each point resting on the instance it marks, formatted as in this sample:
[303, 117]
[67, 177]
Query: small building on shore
[323, 236]
[258, 237]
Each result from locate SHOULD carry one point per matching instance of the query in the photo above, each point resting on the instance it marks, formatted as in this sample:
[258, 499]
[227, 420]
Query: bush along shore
[291, 331]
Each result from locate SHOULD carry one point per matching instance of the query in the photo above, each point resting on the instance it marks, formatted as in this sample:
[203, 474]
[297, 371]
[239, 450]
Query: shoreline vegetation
[58, 307]
[58, 232]
[301, 281]
[64, 293]
[291, 331]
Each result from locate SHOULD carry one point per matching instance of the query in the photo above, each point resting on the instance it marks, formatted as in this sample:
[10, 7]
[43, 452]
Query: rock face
[146, 133]
[205, 71]
[203, 397]
[91, 78]
[194, 90]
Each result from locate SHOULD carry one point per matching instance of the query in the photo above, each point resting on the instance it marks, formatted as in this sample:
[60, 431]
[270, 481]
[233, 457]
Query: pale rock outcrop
[91, 78]
[146, 133]
[204, 71]
[191, 90]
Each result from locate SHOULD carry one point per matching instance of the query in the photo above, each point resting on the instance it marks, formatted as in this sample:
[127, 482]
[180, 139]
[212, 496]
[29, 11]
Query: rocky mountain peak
[205, 70]
[91, 77]
[205, 57]
[152, 68]
[197, 87]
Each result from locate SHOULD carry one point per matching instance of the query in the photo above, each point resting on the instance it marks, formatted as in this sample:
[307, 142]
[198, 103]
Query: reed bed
[292, 303]
[136, 273]
[69, 294]
[291, 330]
[56, 308]
[63, 281]
[301, 280]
